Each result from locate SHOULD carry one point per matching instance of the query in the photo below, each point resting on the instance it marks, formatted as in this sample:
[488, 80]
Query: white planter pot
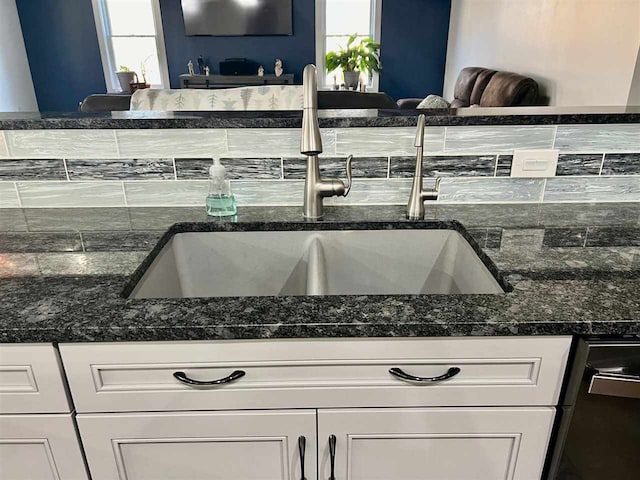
[351, 79]
[125, 78]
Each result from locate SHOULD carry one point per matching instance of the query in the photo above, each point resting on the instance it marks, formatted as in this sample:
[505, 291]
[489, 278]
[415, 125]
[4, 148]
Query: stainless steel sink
[336, 262]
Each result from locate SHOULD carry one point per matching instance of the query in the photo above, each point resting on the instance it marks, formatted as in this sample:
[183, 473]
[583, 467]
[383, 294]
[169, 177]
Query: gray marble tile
[19, 265]
[599, 138]
[498, 139]
[40, 242]
[61, 143]
[621, 164]
[592, 214]
[445, 166]
[12, 220]
[391, 141]
[94, 263]
[120, 241]
[613, 237]
[565, 237]
[175, 143]
[335, 167]
[15, 170]
[517, 239]
[593, 189]
[71, 194]
[267, 192]
[157, 194]
[154, 218]
[579, 164]
[504, 165]
[486, 237]
[121, 169]
[236, 168]
[377, 192]
[272, 142]
[76, 219]
[8, 195]
[3, 145]
[489, 190]
[490, 215]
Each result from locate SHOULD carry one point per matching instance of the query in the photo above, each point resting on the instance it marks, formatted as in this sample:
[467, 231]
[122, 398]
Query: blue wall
[296, 50]
[414, 47]
[62, 47]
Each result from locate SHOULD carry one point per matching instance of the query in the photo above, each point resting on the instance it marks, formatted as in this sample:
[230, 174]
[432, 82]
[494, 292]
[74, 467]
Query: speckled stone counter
[327, 118]
[574, 269]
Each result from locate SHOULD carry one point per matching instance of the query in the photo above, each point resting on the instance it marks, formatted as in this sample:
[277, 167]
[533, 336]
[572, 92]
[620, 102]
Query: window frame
[109, 67]
[321, 35]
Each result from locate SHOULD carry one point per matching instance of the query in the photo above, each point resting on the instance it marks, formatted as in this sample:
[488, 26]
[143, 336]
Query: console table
[230, 81]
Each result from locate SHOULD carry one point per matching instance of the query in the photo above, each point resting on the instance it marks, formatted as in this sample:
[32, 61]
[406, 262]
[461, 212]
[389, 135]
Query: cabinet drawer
[31, 380]
[119, 377]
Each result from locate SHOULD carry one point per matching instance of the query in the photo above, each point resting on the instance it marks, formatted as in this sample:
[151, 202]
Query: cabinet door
[435, 443]
[200, 445]
[40, 447]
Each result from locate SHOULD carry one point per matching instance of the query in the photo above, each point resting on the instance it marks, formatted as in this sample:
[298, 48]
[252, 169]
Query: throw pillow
[433, 101]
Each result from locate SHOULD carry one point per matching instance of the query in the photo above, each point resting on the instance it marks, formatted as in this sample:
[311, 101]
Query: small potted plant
[125, 77]
[355, 59]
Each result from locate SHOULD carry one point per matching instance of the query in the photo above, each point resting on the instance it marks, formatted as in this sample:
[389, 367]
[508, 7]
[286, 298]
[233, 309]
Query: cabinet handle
[182, 378]
[302, 446]
[332, 456]
[397, 372]
[615, 385]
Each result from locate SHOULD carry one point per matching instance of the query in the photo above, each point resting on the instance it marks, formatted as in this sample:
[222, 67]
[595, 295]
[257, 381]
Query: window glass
[133, 52]
[131, 17]
[346, 17]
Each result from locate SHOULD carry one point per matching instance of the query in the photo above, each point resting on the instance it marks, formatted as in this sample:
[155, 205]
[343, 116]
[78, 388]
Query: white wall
[582, 52]
[16, 87]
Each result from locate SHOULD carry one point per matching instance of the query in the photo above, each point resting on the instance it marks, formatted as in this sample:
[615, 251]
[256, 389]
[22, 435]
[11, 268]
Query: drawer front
[120, 377]
[31, 380]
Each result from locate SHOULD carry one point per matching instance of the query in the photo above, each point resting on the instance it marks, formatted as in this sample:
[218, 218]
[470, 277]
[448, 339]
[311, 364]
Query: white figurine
[278, 68]
[207, 70]
[261, 71]
[191, 70]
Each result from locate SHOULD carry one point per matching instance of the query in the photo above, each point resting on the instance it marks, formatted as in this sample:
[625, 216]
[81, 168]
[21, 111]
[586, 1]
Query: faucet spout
[415, 206]
[316, 188]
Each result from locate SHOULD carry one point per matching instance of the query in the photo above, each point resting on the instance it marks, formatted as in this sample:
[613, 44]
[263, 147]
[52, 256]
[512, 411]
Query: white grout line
[15, 186]
[175, 169]
[389, 167]
[586, 236]
[602, 164]
[115, 137]
[82, 242]
[544, 190]
[4, 142]
[555, 136]
[124, 194]
[495, 170]
[66, 169]
[281, 168]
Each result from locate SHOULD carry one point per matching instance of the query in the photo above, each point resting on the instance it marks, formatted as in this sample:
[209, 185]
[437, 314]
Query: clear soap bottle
[220, 200]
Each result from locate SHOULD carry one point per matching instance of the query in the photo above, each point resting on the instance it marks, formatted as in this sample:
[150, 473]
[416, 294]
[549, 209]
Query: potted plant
[125, 77]
[354, 59]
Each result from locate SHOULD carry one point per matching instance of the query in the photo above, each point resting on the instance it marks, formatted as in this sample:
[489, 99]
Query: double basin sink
[412, 261]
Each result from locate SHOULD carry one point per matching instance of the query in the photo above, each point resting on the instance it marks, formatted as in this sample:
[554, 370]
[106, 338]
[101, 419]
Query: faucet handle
[349, 177]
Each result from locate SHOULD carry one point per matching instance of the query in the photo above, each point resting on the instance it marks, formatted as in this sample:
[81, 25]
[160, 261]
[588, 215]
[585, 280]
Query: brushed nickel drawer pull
[182, 378]
[399, 373]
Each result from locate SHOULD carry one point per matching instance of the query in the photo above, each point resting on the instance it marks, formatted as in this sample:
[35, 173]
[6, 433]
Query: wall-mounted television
[238, 17]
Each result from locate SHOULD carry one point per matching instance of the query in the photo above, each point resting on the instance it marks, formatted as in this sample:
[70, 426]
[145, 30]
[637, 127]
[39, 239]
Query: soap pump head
[217, 170]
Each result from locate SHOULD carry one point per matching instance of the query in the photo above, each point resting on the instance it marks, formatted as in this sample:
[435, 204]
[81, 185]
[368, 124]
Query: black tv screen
[237, 17]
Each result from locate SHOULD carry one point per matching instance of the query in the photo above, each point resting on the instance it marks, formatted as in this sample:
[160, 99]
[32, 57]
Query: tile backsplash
[168, 167]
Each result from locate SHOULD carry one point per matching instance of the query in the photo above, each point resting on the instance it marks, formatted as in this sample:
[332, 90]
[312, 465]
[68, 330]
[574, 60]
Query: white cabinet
[40, 447]
[249, 445]
[435, 443]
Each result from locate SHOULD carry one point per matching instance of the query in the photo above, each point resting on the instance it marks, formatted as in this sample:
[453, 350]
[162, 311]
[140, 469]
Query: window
[130, 35]
[336, 20]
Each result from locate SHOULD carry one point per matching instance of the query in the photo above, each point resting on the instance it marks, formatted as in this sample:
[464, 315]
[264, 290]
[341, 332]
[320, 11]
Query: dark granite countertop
[575, 269]
[327, 118]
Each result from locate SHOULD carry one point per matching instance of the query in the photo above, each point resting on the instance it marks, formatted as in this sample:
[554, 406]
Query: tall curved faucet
[316, 188]
[415, 206]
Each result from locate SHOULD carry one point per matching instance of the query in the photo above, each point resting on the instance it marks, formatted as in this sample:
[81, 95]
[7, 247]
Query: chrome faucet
[415, 207]
[315, 188]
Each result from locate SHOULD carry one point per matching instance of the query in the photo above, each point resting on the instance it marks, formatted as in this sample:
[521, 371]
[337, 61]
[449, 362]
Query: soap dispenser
[220, 200]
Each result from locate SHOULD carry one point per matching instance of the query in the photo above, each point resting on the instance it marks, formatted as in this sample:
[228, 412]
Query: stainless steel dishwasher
[598, 435]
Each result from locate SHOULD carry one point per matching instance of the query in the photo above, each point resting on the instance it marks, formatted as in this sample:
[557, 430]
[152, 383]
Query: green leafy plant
[363, 56]
[124, 68]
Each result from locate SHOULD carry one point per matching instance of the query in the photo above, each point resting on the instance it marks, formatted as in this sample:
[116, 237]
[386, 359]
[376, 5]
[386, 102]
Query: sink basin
[335, 262]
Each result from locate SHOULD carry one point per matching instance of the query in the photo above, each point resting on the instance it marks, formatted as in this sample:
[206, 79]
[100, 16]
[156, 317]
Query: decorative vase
[125, 78]
[351, 79]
